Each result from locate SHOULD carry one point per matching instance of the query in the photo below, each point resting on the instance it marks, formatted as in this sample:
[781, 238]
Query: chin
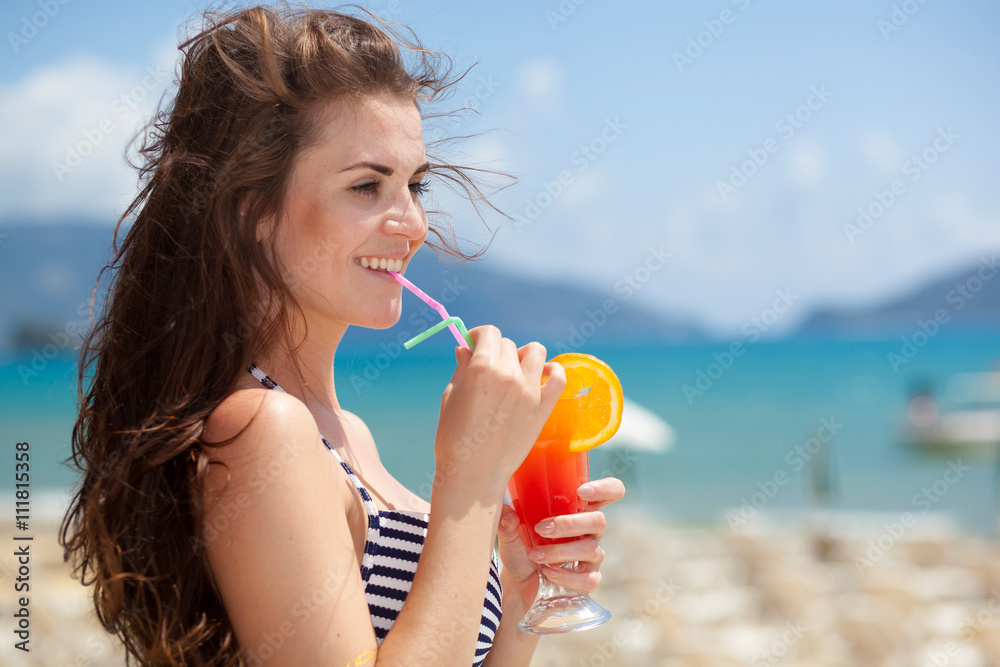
[381, 320]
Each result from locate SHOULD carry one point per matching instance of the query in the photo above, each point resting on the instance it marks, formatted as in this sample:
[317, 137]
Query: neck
[304, 367]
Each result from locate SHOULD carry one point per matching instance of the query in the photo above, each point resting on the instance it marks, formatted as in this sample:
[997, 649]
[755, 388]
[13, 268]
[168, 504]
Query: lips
[381, 263]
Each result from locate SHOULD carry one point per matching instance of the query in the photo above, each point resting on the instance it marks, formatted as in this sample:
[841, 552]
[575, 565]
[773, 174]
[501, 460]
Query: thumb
[555, 384]
[462, 357]
[507, 530]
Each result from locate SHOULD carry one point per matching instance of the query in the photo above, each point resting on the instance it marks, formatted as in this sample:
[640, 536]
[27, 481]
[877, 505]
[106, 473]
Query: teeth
[381, 263]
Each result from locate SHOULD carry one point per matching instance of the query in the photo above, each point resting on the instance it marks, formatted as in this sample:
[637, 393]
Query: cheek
[308, 252]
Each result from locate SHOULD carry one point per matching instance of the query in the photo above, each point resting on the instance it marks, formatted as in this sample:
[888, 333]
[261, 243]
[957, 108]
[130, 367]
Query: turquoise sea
[745, 438]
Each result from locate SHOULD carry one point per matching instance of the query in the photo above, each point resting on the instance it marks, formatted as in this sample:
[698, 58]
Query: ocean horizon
[783, 426]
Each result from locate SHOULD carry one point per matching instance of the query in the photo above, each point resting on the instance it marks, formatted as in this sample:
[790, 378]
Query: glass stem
[548, 590]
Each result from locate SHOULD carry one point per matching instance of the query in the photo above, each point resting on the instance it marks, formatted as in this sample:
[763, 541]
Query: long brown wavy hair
[193, 298]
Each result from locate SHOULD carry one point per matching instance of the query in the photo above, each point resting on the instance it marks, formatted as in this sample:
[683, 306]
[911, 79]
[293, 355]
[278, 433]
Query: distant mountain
[48, 272]
[967, 299]
[563, 317]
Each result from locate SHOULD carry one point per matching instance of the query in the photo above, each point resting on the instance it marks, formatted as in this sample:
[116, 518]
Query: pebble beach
[816, 590]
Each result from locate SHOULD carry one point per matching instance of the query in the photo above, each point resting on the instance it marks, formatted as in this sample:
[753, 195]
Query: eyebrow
[382, 169]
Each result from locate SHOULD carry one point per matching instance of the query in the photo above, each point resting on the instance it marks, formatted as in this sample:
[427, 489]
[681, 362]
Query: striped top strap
[371, 509]
[393, 546]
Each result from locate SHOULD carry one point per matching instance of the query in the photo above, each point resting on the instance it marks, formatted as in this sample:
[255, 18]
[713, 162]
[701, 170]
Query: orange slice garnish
[599, 396]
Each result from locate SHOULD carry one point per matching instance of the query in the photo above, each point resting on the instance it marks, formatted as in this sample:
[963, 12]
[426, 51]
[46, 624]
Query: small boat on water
[967, 417]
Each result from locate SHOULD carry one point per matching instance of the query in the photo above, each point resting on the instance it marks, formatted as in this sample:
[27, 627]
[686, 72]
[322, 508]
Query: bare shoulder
[264, 435]
[277, 526]
[258, 413]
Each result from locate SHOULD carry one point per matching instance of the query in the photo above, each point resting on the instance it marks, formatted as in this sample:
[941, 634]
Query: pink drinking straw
[420, 294]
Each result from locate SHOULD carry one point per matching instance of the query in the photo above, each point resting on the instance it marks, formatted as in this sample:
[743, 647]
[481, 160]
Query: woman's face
[352, 213]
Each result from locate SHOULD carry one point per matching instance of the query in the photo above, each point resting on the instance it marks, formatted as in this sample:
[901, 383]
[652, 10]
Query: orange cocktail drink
[545, 484]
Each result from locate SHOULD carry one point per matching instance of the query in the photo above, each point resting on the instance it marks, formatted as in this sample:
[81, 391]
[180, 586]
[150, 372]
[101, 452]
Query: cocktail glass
[544, 486]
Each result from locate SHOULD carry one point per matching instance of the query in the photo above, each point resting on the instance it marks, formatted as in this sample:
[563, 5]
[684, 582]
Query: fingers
[600, 493]
[462, 358]
[532, 358]
[493, 348]
[581, 524]
[486, 340]
[587, 550]
[583, 578]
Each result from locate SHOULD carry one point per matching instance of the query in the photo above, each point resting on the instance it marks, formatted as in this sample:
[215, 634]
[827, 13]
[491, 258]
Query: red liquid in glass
[545, 484]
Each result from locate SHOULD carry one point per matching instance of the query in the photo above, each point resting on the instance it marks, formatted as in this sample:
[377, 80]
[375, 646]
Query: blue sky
[600, 94]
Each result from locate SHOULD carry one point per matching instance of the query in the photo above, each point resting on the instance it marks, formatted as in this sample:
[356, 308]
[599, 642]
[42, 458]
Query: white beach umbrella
[642, 430]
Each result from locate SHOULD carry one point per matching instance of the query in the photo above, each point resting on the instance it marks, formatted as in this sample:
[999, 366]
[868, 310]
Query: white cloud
[880, 152]
[67, 128]
[541, 81]
[584, 188]
[806, 163]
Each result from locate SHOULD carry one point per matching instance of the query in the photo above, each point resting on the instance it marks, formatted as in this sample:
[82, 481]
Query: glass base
[557, 610]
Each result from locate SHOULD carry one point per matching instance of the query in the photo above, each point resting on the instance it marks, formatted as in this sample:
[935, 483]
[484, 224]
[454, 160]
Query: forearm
[439, 623]
[511, 647]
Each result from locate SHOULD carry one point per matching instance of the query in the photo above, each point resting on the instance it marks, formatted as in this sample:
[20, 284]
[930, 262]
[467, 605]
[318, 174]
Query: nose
[407, 218]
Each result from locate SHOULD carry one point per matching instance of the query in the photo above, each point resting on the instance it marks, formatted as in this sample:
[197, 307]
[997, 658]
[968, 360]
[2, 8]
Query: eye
[419, 188]
[369, 189]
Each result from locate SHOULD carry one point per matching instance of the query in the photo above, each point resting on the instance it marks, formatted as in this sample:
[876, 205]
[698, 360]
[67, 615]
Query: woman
[231, 512]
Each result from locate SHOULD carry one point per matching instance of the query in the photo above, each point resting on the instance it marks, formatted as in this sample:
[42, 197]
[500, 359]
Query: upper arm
[277, 534]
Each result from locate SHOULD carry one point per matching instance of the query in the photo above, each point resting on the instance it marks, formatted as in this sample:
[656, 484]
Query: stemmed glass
[545, 485]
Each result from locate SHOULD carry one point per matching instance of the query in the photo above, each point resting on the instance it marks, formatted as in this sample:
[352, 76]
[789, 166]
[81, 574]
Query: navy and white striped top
[392, 549]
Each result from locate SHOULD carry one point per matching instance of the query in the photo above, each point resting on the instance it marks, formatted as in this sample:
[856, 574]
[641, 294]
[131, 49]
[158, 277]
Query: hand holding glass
[544, 486]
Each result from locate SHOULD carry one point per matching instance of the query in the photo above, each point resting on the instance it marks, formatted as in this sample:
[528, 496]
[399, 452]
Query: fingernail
[586, 492]
[508, 522]
[535, 554]
[546, 527]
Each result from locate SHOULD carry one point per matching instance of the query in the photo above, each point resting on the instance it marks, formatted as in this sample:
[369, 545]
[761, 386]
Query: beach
[811, 590]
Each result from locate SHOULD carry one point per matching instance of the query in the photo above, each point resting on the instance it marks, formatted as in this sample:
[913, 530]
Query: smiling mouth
[381, 264]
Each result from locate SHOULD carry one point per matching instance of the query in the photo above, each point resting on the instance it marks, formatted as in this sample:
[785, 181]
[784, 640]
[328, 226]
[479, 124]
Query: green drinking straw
[457, 321]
